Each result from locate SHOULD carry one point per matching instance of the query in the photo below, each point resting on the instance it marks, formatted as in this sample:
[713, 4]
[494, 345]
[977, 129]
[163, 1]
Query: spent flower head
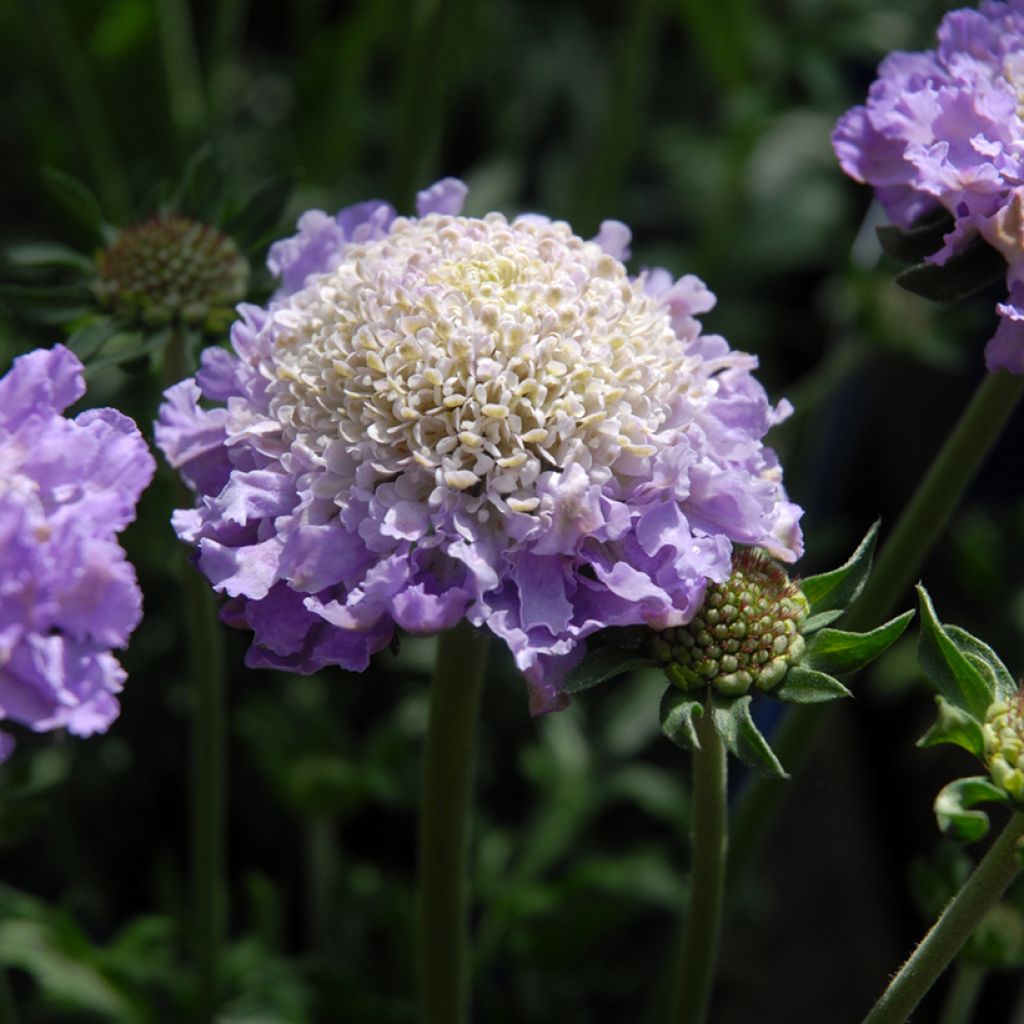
[67, 593]
[943, 130]
[444, 416]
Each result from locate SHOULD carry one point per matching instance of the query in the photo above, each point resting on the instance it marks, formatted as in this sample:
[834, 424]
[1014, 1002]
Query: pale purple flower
[67, 593]
[944, 128]
[444, 417]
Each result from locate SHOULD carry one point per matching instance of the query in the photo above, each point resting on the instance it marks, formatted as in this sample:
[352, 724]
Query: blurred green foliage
[704, 125]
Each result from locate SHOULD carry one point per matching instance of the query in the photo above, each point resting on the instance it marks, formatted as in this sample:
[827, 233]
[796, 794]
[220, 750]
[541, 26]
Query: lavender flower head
[442, 417]
[946, 127]
[67, 592]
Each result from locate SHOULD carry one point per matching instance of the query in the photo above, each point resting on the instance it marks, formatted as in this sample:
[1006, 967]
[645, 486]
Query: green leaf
[913, 244]
[978, 266]
[1003, 684]
[954, 726]
[952, 807]
[731, 719]
[802, 685]
[78, 200]
[834, 591]
[90, 338]
[47, 304]
[677, 713]
[958, 678]
[128, 347]
[32, 255]
[836, 652]
[602, 664]
[260, 213]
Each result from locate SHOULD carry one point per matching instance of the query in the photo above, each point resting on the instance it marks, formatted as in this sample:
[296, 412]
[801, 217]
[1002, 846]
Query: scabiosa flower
[944, 128]
[445, 416]
[67, 593]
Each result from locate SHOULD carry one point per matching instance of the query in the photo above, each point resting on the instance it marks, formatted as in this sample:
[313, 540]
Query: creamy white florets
[474, 354]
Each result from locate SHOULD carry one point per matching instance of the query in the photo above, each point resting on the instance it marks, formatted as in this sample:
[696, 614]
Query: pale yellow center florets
[471, 355]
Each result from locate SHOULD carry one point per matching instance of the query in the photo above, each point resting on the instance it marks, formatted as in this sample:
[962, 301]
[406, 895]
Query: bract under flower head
[945, 127]
[67, 593]
[448, 416]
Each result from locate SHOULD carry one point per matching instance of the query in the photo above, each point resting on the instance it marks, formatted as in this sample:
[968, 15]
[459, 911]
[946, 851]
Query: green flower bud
[747, 632]
[172, 269]
[1003, 732]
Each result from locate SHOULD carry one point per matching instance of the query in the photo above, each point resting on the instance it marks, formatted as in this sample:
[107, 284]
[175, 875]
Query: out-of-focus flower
[443, 417]
[944, 128]
[67, 593]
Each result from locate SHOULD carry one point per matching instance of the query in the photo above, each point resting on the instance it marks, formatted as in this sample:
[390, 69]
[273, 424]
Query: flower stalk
[206, 669]
[442, 948]
[983, 890]
[698, 951]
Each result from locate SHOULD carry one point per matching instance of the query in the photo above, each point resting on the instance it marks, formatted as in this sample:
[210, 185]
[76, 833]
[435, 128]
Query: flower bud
[747, 632]
[172, 269]
[1003, 731]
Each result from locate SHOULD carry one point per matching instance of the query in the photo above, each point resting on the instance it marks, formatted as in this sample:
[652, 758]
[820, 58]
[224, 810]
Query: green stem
[8, 1013]
[206, 658]
[982, 890]
[964, 991]
[443, 890]
[209, 765]
[181, 66]
[901, 559]
[937, 497]
[698, 952]
[321, 872]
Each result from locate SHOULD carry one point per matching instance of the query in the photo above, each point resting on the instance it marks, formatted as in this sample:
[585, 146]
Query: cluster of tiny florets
[747, 632]
[471, 355]
[1003, 731]
[171, 269]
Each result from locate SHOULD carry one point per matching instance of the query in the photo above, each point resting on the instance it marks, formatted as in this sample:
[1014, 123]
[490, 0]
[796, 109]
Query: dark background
[705, 127]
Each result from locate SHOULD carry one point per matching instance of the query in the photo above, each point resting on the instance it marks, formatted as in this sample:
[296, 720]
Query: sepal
[677, 712]
[955, 663]
[604, 663]
[921, 239]
[955, 807]
[837, 652]
[742, 738]
[960, 277]
[954, 726]
[830, 593]
[803, 685]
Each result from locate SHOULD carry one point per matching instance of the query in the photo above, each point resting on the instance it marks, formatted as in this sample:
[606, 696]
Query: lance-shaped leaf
[836, 652]
[802, 685]
[961, 276]
[830, 593]
[954, 726]
[256, 220]
[731, 719]
[921, 239]
[602, 664]
[91, 337]
[953, 807]
[79, 201]
[677, 712]
[960, 679]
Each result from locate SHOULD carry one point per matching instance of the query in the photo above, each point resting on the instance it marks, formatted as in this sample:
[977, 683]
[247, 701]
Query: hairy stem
[698, 951]
[982, 890]
[442, 948]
